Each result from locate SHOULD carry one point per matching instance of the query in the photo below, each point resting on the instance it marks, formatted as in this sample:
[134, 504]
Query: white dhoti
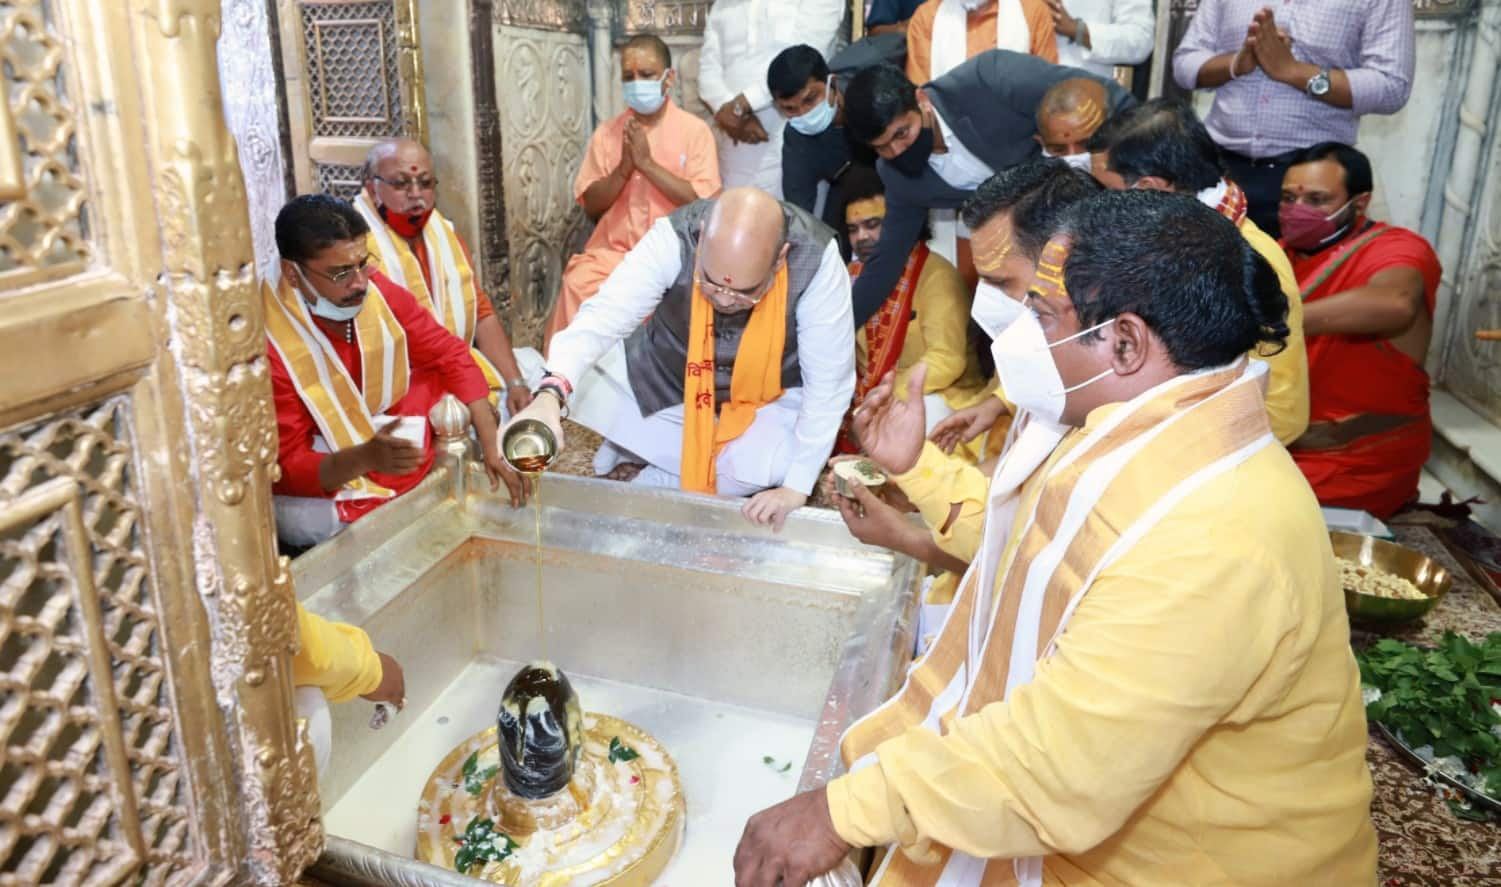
[756, 460]
[312, 706]
[305, 521]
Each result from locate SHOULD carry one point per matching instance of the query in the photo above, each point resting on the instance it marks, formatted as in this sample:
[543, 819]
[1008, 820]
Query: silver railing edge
[855, 684]
[347, 863]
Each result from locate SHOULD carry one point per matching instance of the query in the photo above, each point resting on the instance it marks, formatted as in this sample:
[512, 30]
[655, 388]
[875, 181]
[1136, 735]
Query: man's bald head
[1069, 113]
[398, 174]
[743, 241]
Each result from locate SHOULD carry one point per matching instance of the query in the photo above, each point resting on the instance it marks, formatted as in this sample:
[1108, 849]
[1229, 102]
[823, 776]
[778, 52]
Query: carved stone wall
[1471, 368]
[543, 85]
[250, 80]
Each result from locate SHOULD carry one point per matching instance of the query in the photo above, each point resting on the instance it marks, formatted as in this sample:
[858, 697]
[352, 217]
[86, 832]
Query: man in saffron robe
[356, 364]
[642, 164]
[1146, 677]
[1369, 290]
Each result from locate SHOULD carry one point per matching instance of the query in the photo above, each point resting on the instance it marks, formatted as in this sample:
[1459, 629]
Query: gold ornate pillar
[146, 625]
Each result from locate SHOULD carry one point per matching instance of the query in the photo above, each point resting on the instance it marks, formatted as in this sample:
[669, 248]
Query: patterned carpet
[1422, 842]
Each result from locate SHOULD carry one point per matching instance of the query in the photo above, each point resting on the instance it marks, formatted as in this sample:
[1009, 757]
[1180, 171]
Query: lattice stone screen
[339, 180]
[91, 783]
[351, 59]
[47, 227]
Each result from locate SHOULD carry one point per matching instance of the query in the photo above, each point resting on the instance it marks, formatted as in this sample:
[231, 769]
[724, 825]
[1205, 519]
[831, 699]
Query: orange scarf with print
[756, 380]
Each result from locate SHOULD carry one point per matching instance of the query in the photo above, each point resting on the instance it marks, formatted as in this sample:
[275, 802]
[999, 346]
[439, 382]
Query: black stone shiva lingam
[553, 795]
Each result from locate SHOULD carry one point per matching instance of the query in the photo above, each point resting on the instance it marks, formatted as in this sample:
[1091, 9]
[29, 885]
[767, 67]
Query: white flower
[1369, 694]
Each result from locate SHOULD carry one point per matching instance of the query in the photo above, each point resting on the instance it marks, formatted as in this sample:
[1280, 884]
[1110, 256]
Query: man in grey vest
[736, 382]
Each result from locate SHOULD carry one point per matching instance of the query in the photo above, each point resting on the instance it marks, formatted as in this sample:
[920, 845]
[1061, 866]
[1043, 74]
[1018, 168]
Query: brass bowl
[1378, 612]
[529, 446]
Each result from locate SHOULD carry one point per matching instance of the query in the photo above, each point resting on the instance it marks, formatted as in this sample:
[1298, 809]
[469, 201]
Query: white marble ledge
[1468, 432]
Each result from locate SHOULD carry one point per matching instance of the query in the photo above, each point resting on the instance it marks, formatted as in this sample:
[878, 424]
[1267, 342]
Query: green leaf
[620, 752]
[1440, 697]
[481, 843]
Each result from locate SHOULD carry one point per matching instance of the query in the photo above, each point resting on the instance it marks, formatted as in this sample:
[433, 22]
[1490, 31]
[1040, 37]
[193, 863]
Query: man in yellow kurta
[641, 165]
[1012, 215]
[924, 320]
[417, 247]
[336, 662]
[1147, 677]
[1162, 145]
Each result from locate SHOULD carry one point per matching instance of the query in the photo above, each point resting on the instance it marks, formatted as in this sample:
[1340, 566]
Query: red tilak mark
[445, 820]
[635, 779]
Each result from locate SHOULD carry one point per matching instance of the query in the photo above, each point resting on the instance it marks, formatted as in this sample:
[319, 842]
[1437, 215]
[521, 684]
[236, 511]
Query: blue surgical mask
[818, 119]
[324, 308]
[644, 96]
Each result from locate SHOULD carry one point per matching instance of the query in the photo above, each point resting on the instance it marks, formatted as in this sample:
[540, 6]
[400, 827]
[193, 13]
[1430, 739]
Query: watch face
[1318, 84]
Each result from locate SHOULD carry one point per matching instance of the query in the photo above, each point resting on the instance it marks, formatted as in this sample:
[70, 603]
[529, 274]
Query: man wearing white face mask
[1068, 116]
[1147, 668]
[741, 37]
[815, 153]
[641, 165]
[1012, 216]
[356, 364]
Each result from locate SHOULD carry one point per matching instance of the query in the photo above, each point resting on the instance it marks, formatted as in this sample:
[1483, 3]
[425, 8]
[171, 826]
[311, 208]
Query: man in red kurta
[418, 248]
[356, 364]
[1368, 295]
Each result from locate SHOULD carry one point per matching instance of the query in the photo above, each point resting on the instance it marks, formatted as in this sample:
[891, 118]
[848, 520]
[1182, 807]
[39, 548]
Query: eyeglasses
[339, 278]
[750, 298]
[425, 183]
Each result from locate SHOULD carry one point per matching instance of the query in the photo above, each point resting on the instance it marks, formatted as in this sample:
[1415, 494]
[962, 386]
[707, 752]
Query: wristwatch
[1318, 84]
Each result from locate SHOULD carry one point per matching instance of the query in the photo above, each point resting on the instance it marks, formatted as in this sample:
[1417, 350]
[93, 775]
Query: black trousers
[1262, 181]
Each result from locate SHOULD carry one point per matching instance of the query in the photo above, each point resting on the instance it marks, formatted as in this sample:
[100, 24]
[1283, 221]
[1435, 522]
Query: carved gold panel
[353, 77]
[92, 787]
[41, 217]
[146, 625]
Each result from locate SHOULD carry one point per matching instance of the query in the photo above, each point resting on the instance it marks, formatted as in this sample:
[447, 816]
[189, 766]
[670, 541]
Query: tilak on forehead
[1090, 113]
[990, 246]
[1049, 282]
[866, 208]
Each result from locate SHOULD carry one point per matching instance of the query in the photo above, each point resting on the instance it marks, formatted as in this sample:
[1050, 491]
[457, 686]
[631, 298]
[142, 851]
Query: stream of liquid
[535, 477]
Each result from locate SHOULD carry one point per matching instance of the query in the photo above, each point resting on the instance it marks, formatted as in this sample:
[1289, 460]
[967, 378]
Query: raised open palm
[889, 429]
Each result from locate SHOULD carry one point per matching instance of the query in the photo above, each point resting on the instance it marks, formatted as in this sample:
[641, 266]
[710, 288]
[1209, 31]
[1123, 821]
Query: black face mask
[911, 162]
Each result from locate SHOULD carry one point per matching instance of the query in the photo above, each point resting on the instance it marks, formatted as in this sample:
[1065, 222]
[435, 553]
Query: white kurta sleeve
[711, 85]
[826, 358]
[631, 292]
[1127, 38]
